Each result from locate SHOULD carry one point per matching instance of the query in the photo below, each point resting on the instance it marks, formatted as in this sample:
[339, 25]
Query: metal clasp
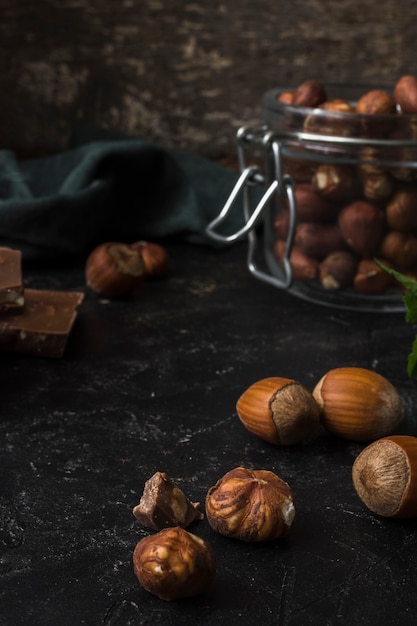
[277, 188]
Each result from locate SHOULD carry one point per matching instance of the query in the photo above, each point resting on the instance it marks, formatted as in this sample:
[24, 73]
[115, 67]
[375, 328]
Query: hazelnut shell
[384, 475]
[358, 404]
[279, 410]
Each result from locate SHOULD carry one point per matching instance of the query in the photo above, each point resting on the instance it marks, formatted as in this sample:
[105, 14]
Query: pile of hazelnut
[349, 213]
[256, 505]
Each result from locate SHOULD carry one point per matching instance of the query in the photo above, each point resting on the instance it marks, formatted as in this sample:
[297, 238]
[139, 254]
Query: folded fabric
[109, 189]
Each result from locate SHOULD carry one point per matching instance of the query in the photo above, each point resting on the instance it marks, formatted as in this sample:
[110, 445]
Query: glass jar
[336, 194]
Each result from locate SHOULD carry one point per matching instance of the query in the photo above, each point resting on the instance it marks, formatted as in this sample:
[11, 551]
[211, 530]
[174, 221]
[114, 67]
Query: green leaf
[410, 302]
[412, 361]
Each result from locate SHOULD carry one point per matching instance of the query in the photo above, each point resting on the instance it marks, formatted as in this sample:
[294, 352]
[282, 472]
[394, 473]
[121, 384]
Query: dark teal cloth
[109, 189]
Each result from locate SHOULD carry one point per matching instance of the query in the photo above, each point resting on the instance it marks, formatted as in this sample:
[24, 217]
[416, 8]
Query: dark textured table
[151, 384]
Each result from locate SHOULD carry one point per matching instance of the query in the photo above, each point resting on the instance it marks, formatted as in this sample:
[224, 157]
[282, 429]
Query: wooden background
[183, 74]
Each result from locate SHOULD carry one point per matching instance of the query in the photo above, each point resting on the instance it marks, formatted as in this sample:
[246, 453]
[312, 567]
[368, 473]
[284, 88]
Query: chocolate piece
[163, 504]
[43, 325]
[11, 284]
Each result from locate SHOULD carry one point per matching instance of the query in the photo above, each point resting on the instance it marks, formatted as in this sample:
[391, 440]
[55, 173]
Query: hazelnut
[358, 404]
[337, 270]
[401, 210]
[303, 267]
[362, 225]
[250, 505]
[372, 280]
[384, 475]
[405, 93]
[174, 563]
[335, 182]
[332, 118]
[286, 97]
[311, 205]
[164, 504]
[310, 93]
[154, 257]
[400, 248]
[317, 240]
[376, 102]
[114, 269]
[337, 105]
[377, 186]
[279, 410]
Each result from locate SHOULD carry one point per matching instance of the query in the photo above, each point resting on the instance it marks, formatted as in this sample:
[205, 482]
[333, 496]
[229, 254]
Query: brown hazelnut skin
[174, 564]
[400, 212]
[376, 102]
[400, 248]
[358, 404]
[318, 239]
[279, 410]
[362, 225]
[114, 269]
[384, 475]
[337, 270]
[372, 280]
[304, 268]
[250, 505]
[154, 256]
[336, 182]
[310, 93]
[405, 93]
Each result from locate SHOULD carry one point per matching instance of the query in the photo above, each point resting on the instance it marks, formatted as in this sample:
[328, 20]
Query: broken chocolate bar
[11, 284]
[42, 327]
[163, 504]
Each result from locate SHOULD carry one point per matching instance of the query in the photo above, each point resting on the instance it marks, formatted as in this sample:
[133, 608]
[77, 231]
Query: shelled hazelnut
[362, 226]
[318, 239]
[338, 270]
[115, 269]
[370, 279]
[174, 564]
[310, 93]
[250, 505]
[154, 257]
[164, 504]
[370, 190]
[405, 93]
[304, 268]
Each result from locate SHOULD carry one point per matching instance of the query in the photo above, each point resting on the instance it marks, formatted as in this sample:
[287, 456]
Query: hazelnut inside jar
[360, 161]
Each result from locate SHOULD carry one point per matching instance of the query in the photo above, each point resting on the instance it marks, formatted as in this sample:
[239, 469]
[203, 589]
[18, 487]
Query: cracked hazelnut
[279, 410]
[154, 257]
[358, 404]
[384, 475]
[174, 564]
[250, 505]
[164, 504]
[114, 269]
